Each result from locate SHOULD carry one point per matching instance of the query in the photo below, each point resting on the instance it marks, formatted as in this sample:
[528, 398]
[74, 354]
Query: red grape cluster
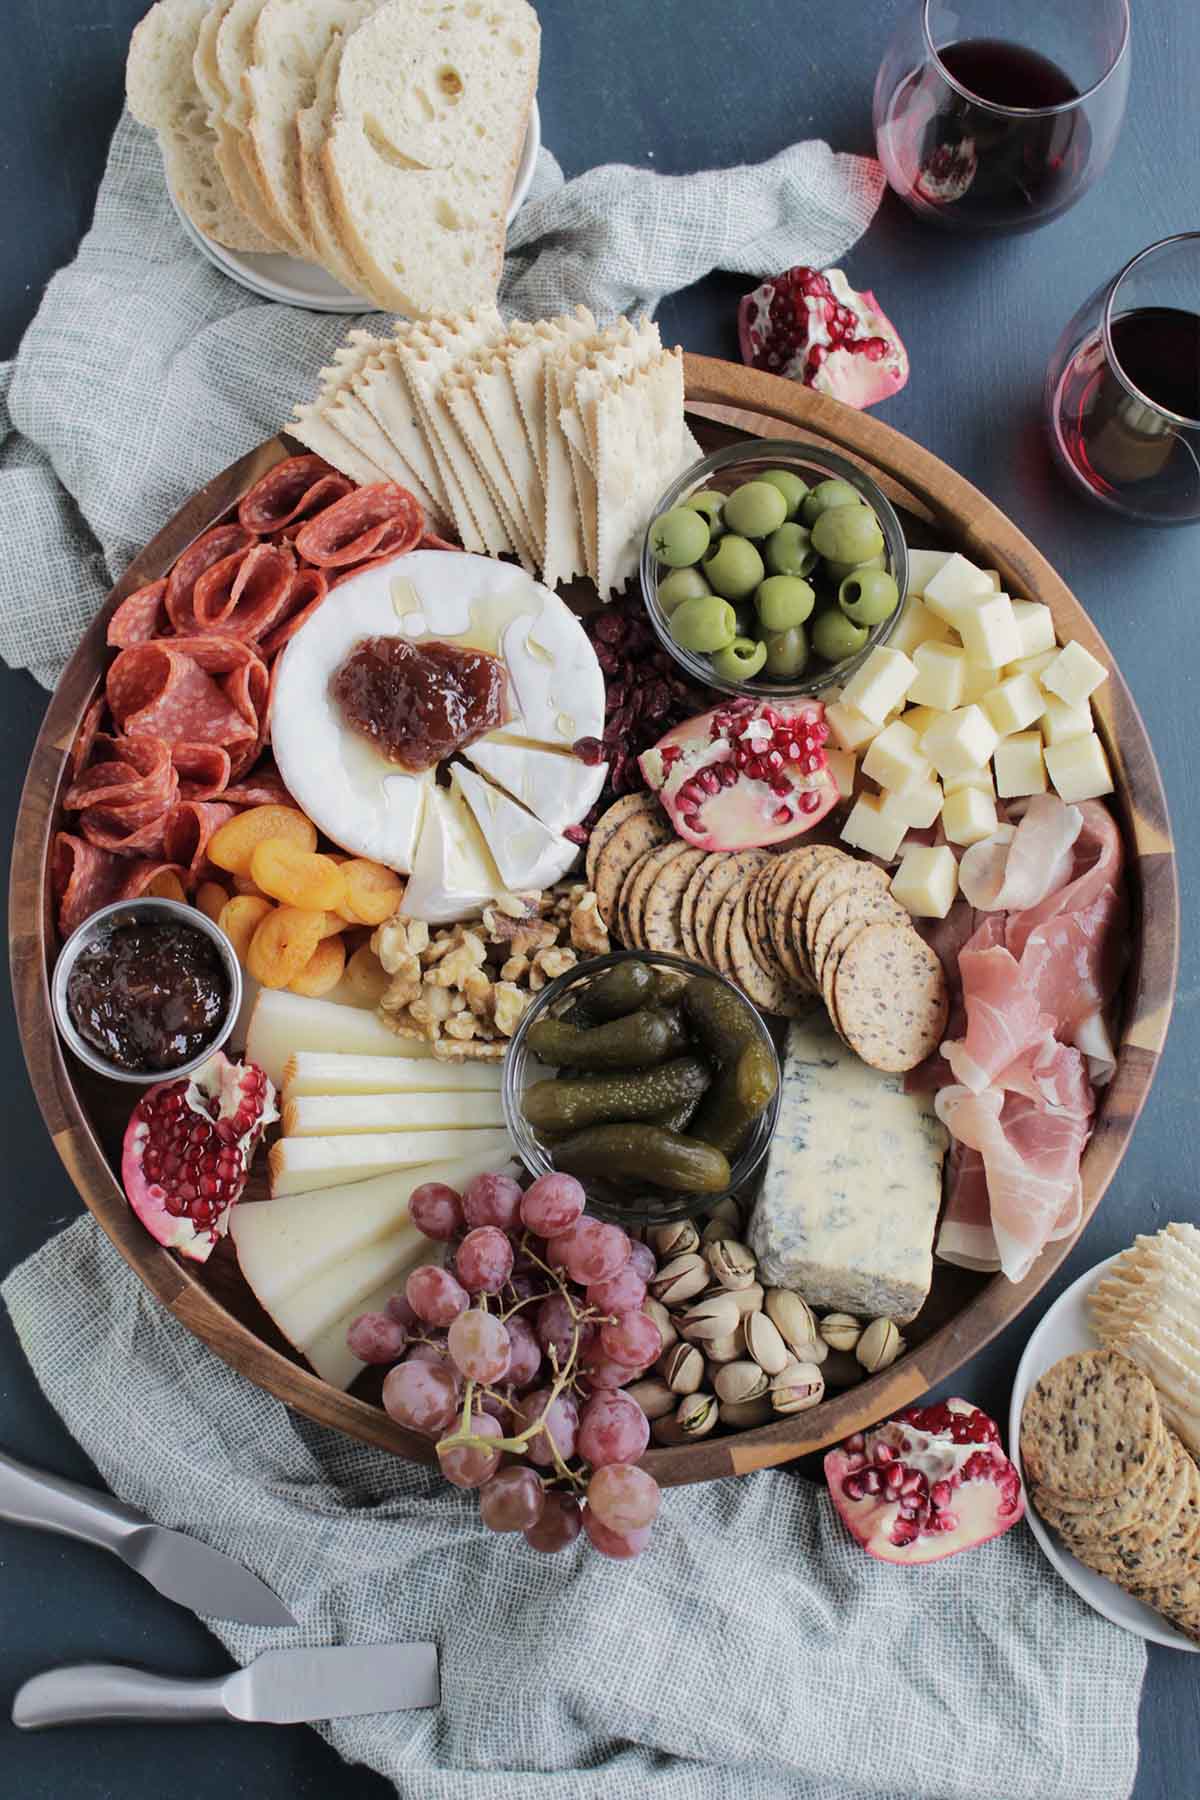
[512, 1358]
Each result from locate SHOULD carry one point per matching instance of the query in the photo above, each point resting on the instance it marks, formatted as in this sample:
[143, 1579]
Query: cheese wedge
[315, 1072]
[341, 1289]
[557, 789]
[329, 1353]
[283, 1024]
[328, 1115]
[302, 1165]
[527, 853]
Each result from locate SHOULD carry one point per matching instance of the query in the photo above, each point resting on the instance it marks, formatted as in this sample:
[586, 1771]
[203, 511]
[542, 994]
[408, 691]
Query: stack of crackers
[1148, 1308]
[787, 926]
[550, 441]
[1114, 1481]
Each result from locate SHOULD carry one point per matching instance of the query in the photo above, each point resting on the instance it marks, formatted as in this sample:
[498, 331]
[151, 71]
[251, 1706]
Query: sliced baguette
[229, 157]
[430, 118]
[312, 128]
[162, 92]
[235, 54]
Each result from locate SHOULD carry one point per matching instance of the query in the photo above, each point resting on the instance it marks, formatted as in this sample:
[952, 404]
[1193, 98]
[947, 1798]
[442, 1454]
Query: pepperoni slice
[309, 587]
[130, 778]
[209, 549]
[106, 829]
[190, 825]
[381, 520]
[263, 788]
[168, 690]
[203, 770]
[82, 878]
[81, 749]
[245, 593]
[293, 491]
[141, 616]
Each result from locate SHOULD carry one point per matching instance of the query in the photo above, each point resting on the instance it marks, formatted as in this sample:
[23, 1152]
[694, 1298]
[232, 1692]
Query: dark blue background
[673, 85]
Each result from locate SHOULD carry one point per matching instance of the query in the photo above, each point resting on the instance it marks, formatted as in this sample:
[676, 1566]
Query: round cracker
[663, 898]
[607, 823]
[782, 901]
[890, 997]
[729, 869]
[842, 942]
[802, 898]
[648, 870]
[722, 919]
[1090, 1423]
[772, 874]
[687, 905]
[636, 834]
[860, 901]
[769, 990]
[838, 880]
[624, 924]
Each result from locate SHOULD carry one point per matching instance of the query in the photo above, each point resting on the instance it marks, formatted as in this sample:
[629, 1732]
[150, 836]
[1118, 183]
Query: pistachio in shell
[734, 1264]
[653, 1396]
[879, 1346]
[739, 1381]
[798, 1387]
[721, 1350]
[697, 1415]
[714, 1316]
[841, 1331]
[682, 1368]
[680, 1280]
[676, 1239]
[795, 1321]
[658, 1314]
[764, 1343]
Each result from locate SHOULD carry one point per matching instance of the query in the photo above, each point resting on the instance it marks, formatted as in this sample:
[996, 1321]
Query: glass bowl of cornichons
[650, 1078]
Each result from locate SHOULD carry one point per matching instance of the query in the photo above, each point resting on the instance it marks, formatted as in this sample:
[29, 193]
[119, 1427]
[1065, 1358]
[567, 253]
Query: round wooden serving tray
[86, 1116]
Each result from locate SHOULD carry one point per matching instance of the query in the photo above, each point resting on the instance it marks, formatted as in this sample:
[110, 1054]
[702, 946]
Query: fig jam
[418, 703]
[148, 996]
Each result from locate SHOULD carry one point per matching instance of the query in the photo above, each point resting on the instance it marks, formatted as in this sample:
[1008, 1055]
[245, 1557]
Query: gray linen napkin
[753, 1653]
[756, 1653]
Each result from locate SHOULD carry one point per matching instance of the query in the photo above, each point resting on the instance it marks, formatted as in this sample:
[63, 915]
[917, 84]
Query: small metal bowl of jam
[146, 989]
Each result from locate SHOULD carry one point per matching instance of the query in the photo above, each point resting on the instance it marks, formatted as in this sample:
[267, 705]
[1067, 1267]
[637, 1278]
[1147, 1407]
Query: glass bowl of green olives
[650, 1078]
[773, 568]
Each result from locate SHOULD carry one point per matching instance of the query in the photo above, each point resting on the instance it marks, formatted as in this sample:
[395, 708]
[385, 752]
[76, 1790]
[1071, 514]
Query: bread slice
[291, 40]
[432, 107]
[161, 88]
[235, 54]
[229, 156]
[312, 128]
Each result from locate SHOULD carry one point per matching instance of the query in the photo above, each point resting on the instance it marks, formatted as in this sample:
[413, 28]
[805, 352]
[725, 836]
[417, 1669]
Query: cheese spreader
[182, 1568]
[280, 1687]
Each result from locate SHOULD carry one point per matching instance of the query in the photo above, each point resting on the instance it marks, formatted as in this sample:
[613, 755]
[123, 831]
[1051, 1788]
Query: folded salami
[290, 494]
[210, 548]
[140, 617]
[309, 587]
[83, 878]
[244, 594]
[189, 827]
[192, 690]
[368, 524]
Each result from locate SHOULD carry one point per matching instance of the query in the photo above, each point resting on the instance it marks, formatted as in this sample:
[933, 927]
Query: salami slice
[172, 691]
[309, 587]
[81, 749]
[384, 519]
[189, 827]
[82, 879]
[140, 617]
[209, 549]
[131, 778]
[142, 873]
[203, 770]
[245, 593]
[264, 787]
[107, 829]
[291, 493]
[431, 541]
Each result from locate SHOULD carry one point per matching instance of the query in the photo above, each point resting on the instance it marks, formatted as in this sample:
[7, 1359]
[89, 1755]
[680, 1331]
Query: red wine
[1006, 74]
[1124, 450]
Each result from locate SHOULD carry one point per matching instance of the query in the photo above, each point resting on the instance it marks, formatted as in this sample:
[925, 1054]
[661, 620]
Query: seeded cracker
[687, 905]
[661, 918]
[782, 901]
[890, 996]
[861, 902]
[800, 903]
[607, 823]
[722, 921]
[633, 837]
[769, 990]
[729, 869]
[648, 872]
[838, 879]
[1089, 1425]
[624, 898]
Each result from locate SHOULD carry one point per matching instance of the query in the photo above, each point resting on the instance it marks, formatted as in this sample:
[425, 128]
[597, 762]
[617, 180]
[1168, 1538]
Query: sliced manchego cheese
[283, 1024]
[326, 1115]
[307, 1312]
[320, 1072]
[329, 1353]
[302, 1165]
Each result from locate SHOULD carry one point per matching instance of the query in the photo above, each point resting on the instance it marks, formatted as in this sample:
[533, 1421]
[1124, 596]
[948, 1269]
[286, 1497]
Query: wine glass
[997, 117]
[1123, 388]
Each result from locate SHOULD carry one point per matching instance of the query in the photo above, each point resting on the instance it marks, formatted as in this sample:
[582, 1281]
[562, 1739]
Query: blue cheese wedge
[850, 1199]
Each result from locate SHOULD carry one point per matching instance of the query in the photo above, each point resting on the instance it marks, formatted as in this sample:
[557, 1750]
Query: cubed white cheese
[1060, 722]
[1035, 627]
[919, 718]
[977, 778]
[927, 880]
[842, 764]
[989, 631]
[960, 740]
[978, 679]
[1074, 675]
[880, 684]
[918, 806]
[894, 759]
[872, 829]
[969, 815]
[849, 728]
[1020, 766]
[941, 672]
[923, 565]
[1079, 769]
[1031, 665]
[993, 576]
[1014, 704]
[917, 625]
[954, 587]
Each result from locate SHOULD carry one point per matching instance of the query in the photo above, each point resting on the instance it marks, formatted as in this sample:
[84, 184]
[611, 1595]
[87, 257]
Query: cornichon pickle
[724, 1023]
[645, 1153]
[669, 986]
[736, 1098]
[647, 1094]
[619, 991]
[637, 1041]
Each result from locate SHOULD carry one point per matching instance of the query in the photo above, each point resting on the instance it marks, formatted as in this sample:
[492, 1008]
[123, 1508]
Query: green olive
[838, 571]
[756, 509]
[847, 534]
[835, 637]
[787, 653]
[733, 567]
[823, 496]
[784, 601]
[789, 552]
[868, 596]
[704, 624]
[790, 486]
[679, 585]
[710, 504]
[679, 537]
[741, 660]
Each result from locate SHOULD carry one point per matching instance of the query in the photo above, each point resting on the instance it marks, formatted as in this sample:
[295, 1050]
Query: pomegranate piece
[744, 775]
[926, 1484]
[814, 328]
[188, 1149]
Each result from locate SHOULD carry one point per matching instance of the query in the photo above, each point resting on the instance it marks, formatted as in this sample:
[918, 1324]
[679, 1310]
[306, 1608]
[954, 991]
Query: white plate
[1065, 1330]
[277, 276]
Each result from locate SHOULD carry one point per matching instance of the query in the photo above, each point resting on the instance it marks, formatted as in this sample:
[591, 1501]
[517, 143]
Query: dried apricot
[333, 926]
[166, 885]
[323, 970]
[297, 877]
[210, 898]
[240, 918]
[246, 884]
[373, 892]
[366, 978]
[282, 944]
[233, 845]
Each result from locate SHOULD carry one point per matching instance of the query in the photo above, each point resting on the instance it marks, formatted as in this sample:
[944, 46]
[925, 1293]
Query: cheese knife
[182, 1568]
[280, 1687]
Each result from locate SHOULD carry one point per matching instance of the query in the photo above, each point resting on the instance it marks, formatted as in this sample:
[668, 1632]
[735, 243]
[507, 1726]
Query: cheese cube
[1079, 769]
[880, 684]
[956, 585]
[960, 740]
[1020, 766]
[1035, 627]
[1032, 665]
[872, 829]
[917, 625]
[989, 631]
[976, 778]
[1014, 704]
[927, 880]
[1074, 675]
[993, 576]
[941, 672]
[1060, 723]
[919, 718]
[918, 806]
[923, 565]
[842, 764]
[849, 728]
[894, 759]
[978, 680]
[969, 815]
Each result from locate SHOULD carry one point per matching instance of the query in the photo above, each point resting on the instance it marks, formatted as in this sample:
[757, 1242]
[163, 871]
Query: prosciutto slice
[1017, 867]
[965, 1236]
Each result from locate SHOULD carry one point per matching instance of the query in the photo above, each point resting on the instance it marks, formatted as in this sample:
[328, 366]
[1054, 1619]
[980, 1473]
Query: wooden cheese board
[86, 1116]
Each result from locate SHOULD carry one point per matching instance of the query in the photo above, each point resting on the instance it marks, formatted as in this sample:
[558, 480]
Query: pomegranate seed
[893, 1478]
[910, 1508]
[809, 802]
[946, 1521]
[781, 788]
[794, 751]
[873, 1481]
[728, 775]
[692, 821]
[913, 1481]
[855, 1443]
[812, 763]
[709, 780]
[856, 1460]
[903, 1532]
[781, 816]
[854, 1487]
[939, 1493]
[884, 1453]
[671, 754]
[774, 760]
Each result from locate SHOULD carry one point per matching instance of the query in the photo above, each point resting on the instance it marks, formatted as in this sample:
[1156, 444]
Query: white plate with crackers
[1065, 1330]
